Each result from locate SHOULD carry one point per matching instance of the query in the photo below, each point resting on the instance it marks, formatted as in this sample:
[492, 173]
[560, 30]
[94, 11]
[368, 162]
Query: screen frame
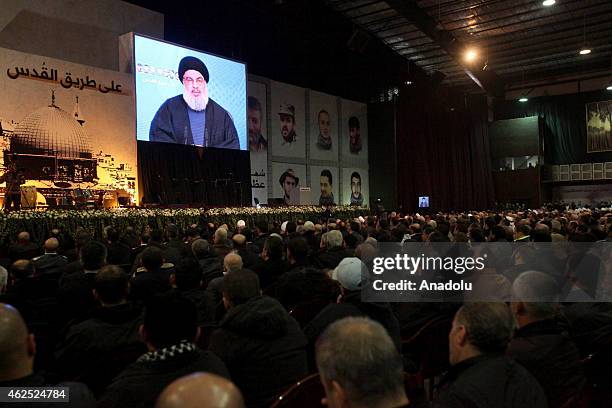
[133, 66]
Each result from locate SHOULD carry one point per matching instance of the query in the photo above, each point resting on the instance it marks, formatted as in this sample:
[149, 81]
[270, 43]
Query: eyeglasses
[189, 80]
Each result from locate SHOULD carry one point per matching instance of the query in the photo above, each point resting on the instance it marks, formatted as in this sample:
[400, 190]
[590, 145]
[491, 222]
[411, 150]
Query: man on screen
[424, 202]
[289, 182]
[327, 195]
[354, 135]
[193, 118]
[257, 143]
[356, 196]
[286, 116]
[325, 140]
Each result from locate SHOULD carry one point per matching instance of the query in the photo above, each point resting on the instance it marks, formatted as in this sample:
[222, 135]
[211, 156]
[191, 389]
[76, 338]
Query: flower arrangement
[39, 223]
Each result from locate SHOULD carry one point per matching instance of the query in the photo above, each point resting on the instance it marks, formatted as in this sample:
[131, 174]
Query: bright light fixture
[523, 99]
[585, 51]
[548, 3]
[471, 55]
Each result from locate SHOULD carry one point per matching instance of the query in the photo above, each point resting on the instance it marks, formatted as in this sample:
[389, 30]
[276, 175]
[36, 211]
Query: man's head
[199, 247]
[324, 125]
[326, 183]
[535, 296]
[359, 365]
[187, 274]
[354, 131]
[333, 239]
[273, 248]
[239, 241]
[356, 184]
[221, 236]
[23, 237]
[169, 319]
[288, 181]
[297, 250]
[152, 259]
[51, 245]
[194, 76]
[254, 117]
[200, 390]
[232, 263]
[480, 327]
[93, 255]
[111, 285]
[17, 346]
[239, 287]
[287, 121]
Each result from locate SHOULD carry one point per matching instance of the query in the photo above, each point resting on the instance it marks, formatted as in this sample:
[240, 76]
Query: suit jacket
[171, 124]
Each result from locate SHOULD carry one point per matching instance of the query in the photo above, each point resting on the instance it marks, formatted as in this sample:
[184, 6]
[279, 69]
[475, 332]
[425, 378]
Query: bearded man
[193, 118]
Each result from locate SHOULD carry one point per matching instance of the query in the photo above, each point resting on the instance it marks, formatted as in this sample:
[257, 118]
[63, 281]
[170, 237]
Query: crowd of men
[233, 315]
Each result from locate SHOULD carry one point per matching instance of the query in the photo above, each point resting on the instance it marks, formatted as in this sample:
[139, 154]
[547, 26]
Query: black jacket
[139, 385]
[75, 294]
[211, 267]
[263, 348]
[546, 351]
[171, 124]
[147, 284]
[330, 258]
[49, 265]
[269, 271]
[24, 251]
[97, 349]
[353, 306]
[489, 381]
[204, 301]
[118, 253]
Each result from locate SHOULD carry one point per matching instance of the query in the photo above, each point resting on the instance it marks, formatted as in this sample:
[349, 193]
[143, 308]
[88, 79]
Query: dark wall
[382, 153]
[565, 124]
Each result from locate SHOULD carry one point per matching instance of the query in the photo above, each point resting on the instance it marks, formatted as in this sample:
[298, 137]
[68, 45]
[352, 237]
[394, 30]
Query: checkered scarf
[166, 353]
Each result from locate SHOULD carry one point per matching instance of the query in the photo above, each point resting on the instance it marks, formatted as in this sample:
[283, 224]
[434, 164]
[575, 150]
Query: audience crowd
[233, 316]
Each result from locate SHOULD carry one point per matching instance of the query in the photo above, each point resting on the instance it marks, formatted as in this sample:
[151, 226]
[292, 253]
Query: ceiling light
[548, 3]
[523, 99]
[471, 55]
[585, 51]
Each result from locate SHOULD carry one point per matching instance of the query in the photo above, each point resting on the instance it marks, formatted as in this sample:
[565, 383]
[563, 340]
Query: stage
[39, 223]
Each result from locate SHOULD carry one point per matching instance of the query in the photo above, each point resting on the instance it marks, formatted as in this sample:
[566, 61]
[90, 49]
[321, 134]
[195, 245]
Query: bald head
[16, 345]
[232, 262]
[23, 237]
[200, 390]
[51, 245]
[220, 235]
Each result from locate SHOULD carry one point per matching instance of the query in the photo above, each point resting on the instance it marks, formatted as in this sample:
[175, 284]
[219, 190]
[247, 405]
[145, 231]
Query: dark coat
[24, 251]
[353, 306]
[263, 348]
[140, 383]
[489, 381]
[75, 294]
[269, 271]
[49, 265]
[205, 303]
[211, 267]
[249, 258]
[147, 284]
[171, 124]
[96, 349]
[118, 253]
[543, 348]
[330, 258]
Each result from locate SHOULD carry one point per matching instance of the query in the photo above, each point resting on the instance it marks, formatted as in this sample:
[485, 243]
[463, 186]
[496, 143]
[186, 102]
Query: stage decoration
[39, 223]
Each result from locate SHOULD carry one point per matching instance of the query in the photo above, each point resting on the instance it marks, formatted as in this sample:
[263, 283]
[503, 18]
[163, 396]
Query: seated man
[333, 251]
[97, 348]
[151, 278]
[540, 344]
[17, 352]
[50, 264]
[262, 345]
[360, 366]
[480, 374]
[23, 248]
[270, 265]
[201, 390]
[186, 279]
[170, 330]
[210, 264]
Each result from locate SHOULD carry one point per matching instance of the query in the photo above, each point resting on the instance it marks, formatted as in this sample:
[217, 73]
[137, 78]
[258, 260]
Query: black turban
[194, 63]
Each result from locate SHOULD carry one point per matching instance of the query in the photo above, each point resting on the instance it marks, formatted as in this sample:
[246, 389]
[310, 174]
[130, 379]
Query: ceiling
[519, 41]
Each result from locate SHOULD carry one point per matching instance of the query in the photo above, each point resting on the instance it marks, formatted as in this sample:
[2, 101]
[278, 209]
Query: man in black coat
[23, 248]
[118, 252]
[249, 258]
[210, 264]
[540, 344]
[186, 279]
[99, 347]
[481, 375]
[170, 330]
[271, 264]
[152, 278]
[262, 345]
[332, 250]
[51, 264]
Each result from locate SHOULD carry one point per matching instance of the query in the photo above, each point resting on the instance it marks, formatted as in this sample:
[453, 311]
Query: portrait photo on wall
[354, 130]
[287, 178]
[599, 126]
[325, 182]
[258, 140]
[323, 126]
[189, 97]
[355, 187]
[288, 120]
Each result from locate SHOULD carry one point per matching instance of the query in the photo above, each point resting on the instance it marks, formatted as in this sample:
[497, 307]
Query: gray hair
[538, 292]
[199, 247]
[489, 325]
[358, 353]
[333, 239]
